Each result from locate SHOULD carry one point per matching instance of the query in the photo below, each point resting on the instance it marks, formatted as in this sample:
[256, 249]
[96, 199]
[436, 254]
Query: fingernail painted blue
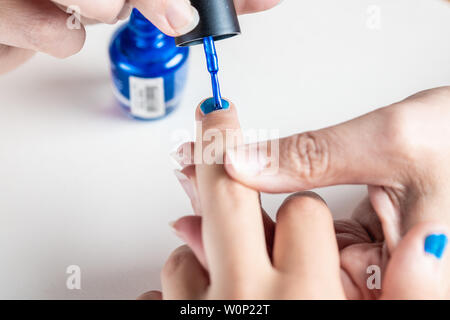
[210, 105]
[435, 244]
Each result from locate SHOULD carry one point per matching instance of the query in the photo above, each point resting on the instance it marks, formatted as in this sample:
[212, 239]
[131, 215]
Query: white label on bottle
[147, 97]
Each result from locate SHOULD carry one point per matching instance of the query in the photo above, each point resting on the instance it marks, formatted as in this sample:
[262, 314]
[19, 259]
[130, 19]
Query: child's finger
[233, 232]
[183, 277]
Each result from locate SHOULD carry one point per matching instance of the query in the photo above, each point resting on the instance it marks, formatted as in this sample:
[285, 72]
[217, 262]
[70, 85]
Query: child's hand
[236, 252]
[305, 259]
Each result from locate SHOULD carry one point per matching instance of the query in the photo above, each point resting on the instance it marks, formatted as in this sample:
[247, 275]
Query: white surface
[81, 184]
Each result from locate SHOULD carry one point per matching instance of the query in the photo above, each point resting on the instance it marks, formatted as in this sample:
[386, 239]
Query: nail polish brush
[218, 21]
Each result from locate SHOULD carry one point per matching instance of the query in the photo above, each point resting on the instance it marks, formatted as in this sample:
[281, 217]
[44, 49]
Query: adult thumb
[361, 151]
[418, 268]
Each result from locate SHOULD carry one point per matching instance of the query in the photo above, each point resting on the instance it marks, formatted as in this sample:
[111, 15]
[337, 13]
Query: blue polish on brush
[213, 68]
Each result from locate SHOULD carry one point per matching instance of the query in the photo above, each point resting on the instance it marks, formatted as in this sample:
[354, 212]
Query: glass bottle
[149, 71]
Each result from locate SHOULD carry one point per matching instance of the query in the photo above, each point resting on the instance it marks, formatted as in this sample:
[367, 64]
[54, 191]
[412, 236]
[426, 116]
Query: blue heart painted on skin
[435, 244]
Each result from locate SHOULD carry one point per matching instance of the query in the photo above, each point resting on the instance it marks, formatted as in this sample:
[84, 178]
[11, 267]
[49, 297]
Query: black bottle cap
[218, 19]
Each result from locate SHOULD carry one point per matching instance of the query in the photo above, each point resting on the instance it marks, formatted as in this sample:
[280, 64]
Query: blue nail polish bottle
[149, 71]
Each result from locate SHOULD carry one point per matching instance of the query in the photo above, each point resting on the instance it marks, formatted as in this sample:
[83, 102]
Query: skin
[27, 26]
[405, 166]
[235, 252]
[407, 190]
[410, 134]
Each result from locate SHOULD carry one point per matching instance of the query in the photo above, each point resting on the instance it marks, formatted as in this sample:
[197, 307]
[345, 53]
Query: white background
[81, 184]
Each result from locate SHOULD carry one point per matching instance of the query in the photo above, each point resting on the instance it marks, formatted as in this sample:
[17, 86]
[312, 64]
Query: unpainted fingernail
[435, 244]
[172, 225]
[181, 16]
[190, 190]
[183, 155]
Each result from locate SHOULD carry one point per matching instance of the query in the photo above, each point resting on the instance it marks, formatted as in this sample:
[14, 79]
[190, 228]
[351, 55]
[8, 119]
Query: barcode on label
[147, 97]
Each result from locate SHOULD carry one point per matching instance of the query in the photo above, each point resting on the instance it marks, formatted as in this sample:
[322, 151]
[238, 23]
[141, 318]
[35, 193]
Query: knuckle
[446, 92]
[406, 128]
[432, 94]
[181, 256]
[442, 96]
[76, 44]
[308, 155]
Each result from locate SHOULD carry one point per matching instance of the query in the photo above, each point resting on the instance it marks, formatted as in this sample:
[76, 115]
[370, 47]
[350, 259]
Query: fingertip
[435, 244]
[61, 36]
[125, 12]
[306, 204]
[422, 231]
[315, 197]
[189, 171]
[188, 225]
[150, 295]
[186, 178]
[172, 17]
[245, 6]
[77, 42]
[425, 243]
[388, 214]
[12, 57]
[199, 112]
[225, 120]
[417, 269]
[433, 239]
[189, 229]
[183, 155]
[192, 23]
[208, 107]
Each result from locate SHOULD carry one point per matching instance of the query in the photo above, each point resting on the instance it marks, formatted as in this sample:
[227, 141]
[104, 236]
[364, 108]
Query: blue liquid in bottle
[149, 72]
